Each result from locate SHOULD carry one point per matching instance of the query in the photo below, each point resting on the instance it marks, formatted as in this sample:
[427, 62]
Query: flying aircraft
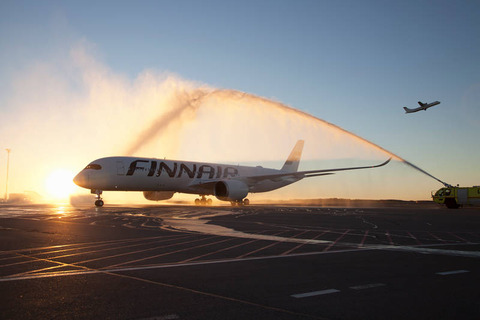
[160, 179]
[423, 106]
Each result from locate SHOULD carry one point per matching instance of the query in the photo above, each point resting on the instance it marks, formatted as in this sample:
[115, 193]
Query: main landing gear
[203, 201]
[244, 202]
[208, 202]
[99, 201]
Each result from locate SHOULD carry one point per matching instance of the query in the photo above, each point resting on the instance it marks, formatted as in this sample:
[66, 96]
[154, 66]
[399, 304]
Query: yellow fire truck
[454, 197]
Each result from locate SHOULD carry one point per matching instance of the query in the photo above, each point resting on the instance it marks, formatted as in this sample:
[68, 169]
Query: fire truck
[455, 197]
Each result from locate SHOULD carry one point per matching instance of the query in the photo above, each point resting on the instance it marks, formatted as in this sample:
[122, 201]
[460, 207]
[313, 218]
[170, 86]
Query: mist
[69, 110]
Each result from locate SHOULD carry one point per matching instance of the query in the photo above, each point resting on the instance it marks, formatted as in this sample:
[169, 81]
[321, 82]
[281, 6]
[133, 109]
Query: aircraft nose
[81, 179]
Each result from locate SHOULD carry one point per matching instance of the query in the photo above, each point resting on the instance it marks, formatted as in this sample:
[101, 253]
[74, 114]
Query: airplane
[423, 106]
[160, 179]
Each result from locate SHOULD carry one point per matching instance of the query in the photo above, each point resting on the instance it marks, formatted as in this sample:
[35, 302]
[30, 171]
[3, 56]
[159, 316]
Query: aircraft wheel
[246, 202]
[99, 203]
[209, 202]
[203, 202]
[197, 202]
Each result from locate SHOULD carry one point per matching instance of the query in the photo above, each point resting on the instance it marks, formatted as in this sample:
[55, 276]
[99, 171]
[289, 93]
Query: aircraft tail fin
[293, 160]
[406, 110]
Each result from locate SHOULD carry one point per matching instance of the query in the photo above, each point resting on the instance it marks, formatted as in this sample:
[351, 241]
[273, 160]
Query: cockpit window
[93, 166]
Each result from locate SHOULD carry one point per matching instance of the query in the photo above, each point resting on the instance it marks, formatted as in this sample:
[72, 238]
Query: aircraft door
[120, 168]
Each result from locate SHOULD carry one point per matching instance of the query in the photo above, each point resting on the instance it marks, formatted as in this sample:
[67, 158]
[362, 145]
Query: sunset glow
[203, 94]
[59, 184]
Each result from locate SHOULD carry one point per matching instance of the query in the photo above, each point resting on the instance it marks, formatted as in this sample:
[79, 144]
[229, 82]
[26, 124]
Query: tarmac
[257, 262]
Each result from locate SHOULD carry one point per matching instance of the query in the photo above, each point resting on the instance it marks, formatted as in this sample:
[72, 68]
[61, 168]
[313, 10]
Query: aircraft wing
[281, 176]
[310, 173]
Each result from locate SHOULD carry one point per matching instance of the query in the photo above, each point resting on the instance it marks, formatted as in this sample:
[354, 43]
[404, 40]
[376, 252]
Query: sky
[80, 80]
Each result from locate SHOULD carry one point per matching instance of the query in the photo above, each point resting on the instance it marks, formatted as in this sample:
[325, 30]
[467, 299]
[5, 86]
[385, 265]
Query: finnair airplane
[423, 106]
[160, 179]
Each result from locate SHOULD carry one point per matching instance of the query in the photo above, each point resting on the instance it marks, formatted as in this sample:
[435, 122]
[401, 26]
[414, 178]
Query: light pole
[8, 165]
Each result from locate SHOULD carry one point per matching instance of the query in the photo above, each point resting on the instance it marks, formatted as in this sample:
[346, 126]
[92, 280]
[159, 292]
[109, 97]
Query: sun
[59, 184]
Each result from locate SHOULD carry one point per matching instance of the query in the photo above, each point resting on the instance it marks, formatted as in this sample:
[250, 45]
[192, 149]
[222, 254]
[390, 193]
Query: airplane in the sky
[423, 106]
[160, 179]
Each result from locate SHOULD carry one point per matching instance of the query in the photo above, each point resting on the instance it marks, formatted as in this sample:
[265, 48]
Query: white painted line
[447, 273]
[424, 250]
[368, 286]
[171, 265]
[314, 293]
[200, 225]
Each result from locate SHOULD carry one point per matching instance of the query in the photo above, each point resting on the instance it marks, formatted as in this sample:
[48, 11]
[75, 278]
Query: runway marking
[177, 237]
[458, 237]
[425, 250]
[93, 271]
[221, 250]
[335, 242]
[270, 245]
[27, 276]
[218, 296]
[299, 234]
[302, 244]
[50, 261]
[368, 286]
[447, 273]
[437, 238]
[314, 293]
[262, 248]
[93, 251]
[363, 239]
[172, 252]
[80, 244]
[414, 238]
[71, 247]
[10, 258]
[204, 228]
[111, 256]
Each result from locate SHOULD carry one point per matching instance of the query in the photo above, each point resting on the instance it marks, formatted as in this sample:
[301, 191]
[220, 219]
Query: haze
[79, 85]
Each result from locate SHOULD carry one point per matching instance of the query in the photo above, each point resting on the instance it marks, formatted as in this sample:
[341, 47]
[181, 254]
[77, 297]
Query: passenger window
[94, 166]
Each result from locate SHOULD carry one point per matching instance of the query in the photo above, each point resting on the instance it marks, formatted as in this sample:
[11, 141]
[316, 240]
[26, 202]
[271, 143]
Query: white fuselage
[147, 174]
[160, 179]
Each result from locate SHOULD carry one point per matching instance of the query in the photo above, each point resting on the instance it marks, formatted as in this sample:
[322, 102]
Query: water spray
[428, 174]
[191, 101]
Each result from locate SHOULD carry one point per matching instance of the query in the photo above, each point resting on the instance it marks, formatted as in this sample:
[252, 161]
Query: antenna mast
[8, 165]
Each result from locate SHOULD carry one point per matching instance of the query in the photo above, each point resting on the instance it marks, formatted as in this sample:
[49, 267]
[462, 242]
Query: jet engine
[158, 195]
[231, 190]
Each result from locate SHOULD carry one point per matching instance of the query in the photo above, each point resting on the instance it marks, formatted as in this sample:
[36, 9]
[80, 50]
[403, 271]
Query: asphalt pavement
[255, 262]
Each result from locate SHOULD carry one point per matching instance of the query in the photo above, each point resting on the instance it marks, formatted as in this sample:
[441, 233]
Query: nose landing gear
[99, 201]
